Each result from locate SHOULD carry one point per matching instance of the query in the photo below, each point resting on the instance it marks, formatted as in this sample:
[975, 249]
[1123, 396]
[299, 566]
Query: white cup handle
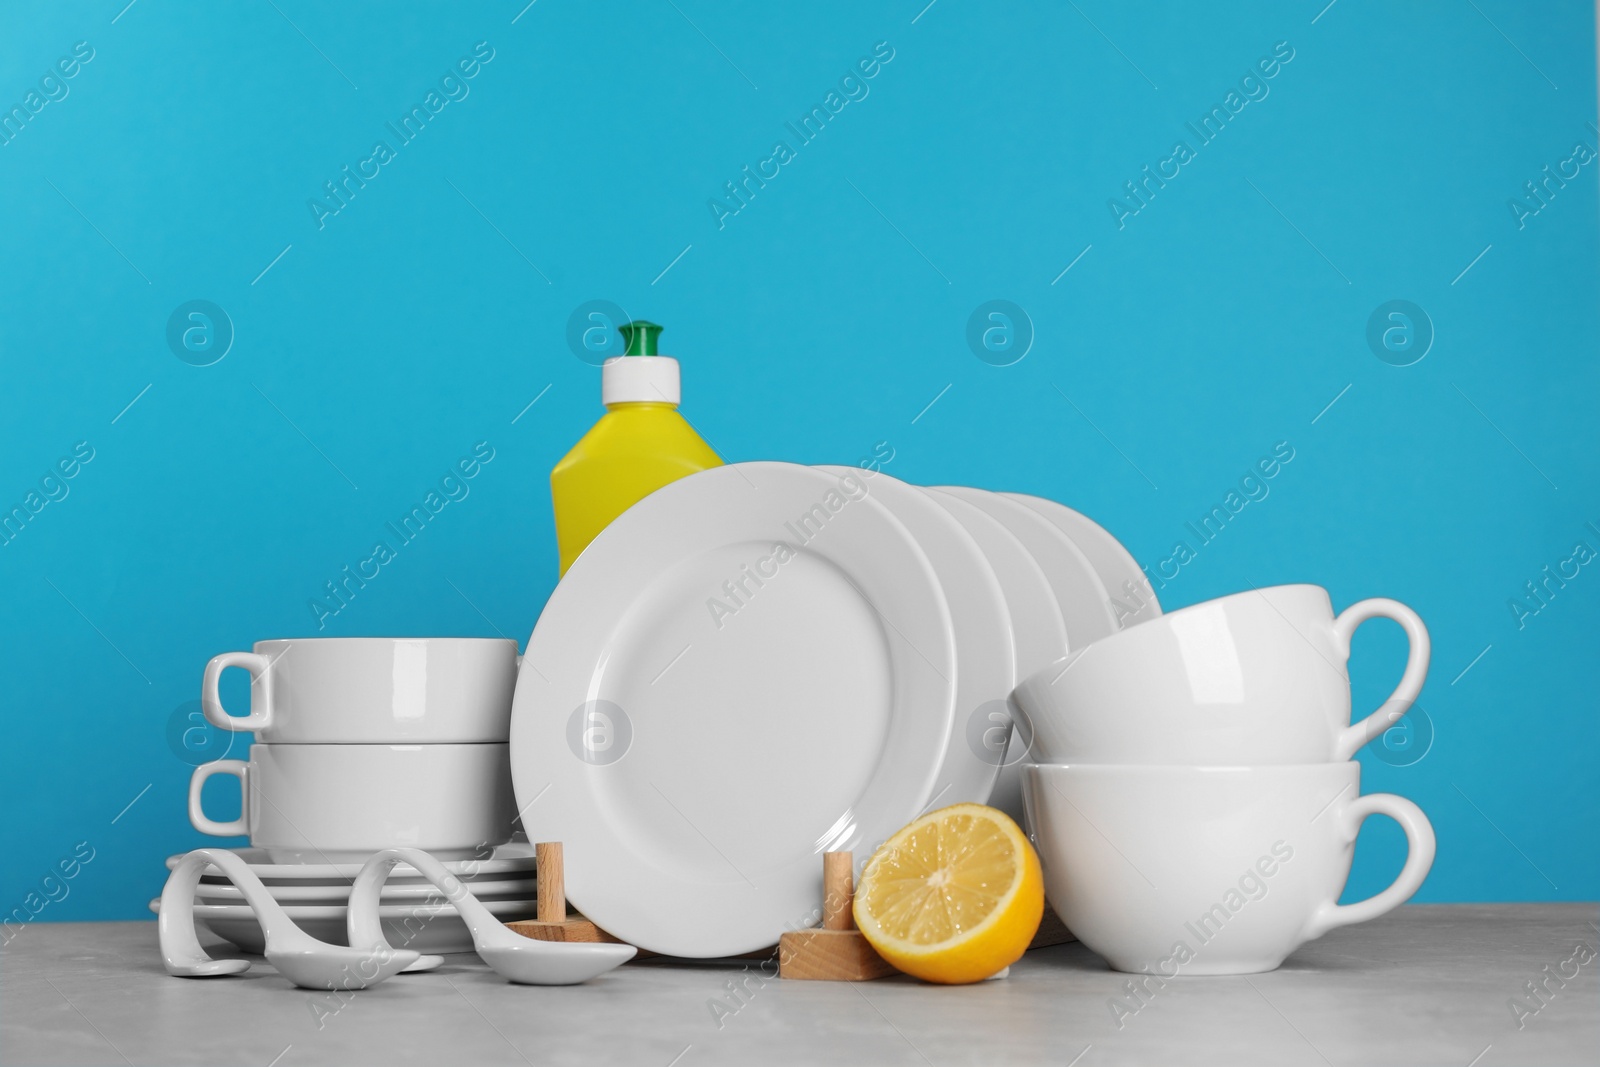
[197, 816]
[1400, 701]
[1419, 859]
[260, 685]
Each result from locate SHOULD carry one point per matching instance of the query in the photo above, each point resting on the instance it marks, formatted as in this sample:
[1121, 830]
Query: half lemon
[956, 896]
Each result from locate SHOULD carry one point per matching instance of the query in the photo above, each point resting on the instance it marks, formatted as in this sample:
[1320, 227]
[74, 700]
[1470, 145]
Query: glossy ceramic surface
[513, 859]
[422, 928]
[1076, 588]
[407, 892]
[341, 803]
[1079, 592]
[371, 690]
[986, 657]
[297, 955]
[1209, 870]
[1133, 599]
[524, 960]
[751, 666]
[1039, 637]
[1254, 678]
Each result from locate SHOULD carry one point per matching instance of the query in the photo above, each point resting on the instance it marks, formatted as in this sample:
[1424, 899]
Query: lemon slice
[956, 896]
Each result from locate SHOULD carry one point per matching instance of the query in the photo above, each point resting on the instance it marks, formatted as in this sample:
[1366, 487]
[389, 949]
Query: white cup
[371, 690]
[1253, 678]
[342, 803]
[1209, 870]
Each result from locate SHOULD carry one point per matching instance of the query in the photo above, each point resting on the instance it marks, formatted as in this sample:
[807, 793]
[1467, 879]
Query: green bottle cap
[640, 337]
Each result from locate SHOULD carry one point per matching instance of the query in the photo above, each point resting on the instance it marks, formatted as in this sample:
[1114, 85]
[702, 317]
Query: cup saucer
[511, 860]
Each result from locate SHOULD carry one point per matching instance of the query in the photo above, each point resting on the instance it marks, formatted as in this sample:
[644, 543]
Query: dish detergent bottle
[640, 444]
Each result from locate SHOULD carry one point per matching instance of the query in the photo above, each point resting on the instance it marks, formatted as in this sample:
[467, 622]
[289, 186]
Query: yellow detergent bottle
[640, 444]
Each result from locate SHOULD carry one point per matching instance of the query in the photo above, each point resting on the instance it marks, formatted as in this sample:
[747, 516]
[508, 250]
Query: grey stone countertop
[1427, 984]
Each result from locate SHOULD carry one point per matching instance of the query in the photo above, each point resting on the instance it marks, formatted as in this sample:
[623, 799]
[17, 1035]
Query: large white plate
[1039, 633]
[1134, 598]
[748, 668]
[513, 859]
[986, 669]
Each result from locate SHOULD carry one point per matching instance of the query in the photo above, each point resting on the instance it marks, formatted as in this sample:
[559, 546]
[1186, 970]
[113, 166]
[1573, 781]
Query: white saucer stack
[363, 744]
[765, 661]
[414, 913]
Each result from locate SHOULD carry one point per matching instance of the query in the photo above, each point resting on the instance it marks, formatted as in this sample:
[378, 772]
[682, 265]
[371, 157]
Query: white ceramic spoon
[299, 957]
[520, 959]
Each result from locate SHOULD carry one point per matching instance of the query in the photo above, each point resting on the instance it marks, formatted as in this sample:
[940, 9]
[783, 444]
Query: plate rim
[339, 911]
[716, 918]
[1055, 621]
[225, 892]
[1005, 506]
[985, 593]
[1076, 525]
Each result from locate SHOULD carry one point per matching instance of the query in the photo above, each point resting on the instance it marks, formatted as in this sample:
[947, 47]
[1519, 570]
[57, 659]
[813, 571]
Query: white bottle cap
[639, 379]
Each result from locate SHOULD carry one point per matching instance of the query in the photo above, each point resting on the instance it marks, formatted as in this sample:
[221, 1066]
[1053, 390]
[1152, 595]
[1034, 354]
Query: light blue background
[821, 320]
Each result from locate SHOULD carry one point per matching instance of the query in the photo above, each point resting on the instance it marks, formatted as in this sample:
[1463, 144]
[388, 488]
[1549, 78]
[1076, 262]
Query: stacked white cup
[1194, 797]
[368, 743]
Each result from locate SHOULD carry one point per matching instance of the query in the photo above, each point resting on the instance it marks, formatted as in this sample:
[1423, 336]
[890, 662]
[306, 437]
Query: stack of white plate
[414, 914]
[765, 661]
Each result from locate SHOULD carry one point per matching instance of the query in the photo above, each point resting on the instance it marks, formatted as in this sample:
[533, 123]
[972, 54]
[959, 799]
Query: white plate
[1078, 590]
[1133, 595]
[227, 893]
[986, 668]
[1039, 633]
[514, 859]
[434, 928]
[1079, 594]
[695, 744]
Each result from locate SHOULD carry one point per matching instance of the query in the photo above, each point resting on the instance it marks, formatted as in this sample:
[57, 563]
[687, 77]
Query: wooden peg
[837, 951]
[838, 891]
[551, 874]
[552, 923]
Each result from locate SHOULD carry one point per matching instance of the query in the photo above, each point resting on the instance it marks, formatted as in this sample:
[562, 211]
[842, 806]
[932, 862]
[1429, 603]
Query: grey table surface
[1427, 984]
